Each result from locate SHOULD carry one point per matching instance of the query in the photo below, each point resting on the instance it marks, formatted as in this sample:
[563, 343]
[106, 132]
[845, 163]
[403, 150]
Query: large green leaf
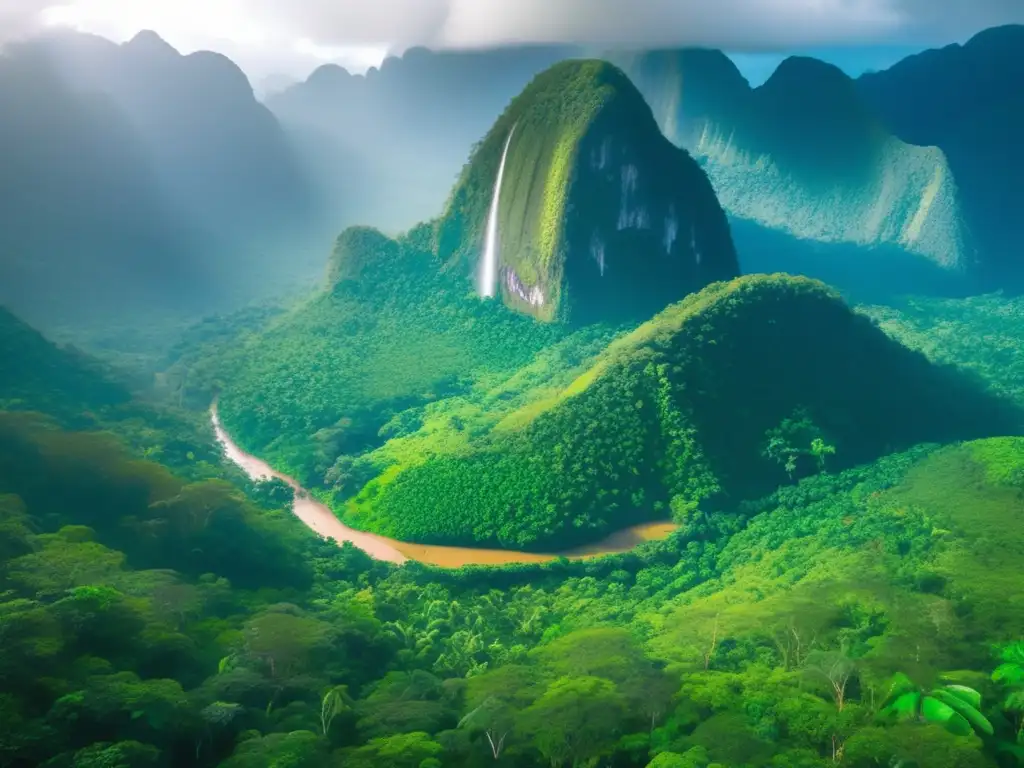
[900, 686]
[935, 711]
[904, 705]
[968, 712]
[962, 692]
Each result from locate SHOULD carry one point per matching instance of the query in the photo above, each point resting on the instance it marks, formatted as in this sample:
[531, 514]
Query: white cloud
[19, 17]
[295, 35]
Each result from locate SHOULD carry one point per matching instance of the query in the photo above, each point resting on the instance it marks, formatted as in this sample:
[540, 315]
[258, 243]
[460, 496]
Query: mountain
[84, 226]
[966, 100]
[599, 217]
[714, 400]
[391, 330]
[805, 155]
[386, 146]
[602, 219]
[78, 392]
[175, 168]
[40, 376]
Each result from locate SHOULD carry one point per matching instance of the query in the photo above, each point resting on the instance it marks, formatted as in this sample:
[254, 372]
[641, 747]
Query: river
[318, 517]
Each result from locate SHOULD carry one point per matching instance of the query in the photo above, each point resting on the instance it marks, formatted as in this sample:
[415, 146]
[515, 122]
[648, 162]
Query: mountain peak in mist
[150, 42]
[326, 76]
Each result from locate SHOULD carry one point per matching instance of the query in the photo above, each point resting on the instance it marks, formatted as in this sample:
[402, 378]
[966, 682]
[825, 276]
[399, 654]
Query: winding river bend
[319, 518]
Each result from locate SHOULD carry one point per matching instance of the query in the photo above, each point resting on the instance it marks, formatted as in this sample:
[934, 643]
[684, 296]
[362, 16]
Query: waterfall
[489, 270]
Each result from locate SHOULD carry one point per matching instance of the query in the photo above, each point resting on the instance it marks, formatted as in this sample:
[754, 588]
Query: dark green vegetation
[78, 392]
[805, 154]
[548, 449]
[720, 397]
[853, 618]
[981, 334]
[600, 215]
[391, 331]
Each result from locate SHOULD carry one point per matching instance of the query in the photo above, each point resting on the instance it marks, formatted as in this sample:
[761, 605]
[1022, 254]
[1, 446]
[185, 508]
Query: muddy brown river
[318, 517]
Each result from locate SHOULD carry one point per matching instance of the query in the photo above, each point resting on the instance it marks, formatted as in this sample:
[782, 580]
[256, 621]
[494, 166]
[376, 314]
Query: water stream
[318, 517]
[489, 270]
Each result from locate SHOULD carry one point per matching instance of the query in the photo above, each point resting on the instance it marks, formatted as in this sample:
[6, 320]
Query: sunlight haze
[274, 37]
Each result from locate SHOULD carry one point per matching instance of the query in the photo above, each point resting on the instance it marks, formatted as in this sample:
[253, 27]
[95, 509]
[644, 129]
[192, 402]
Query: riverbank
[318, 517]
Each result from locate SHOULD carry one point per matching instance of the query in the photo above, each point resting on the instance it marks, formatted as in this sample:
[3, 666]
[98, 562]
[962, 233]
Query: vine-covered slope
[716, 399]
[804, 154]
[600, 216]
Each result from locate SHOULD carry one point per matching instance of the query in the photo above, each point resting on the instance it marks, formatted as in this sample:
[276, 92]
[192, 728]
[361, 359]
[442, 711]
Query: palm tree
[956, 707]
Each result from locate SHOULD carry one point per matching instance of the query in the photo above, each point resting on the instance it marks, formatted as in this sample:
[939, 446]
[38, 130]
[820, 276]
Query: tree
[404, 750]
[1010, 674]
[819, 450]
[495, 700]
[955, 707]
[912, 745]
[298, 749]
[612, 653]
[576, 719]
[697, 757]
[836, 668]
[284, 638]
[333, 703]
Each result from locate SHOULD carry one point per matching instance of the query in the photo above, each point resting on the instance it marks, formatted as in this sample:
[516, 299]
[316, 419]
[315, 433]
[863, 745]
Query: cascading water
[489, 268]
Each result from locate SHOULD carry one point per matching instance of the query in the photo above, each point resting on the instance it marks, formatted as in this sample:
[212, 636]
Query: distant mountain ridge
[804, 154]
[968, 100]
[182, 191]
[406, 128]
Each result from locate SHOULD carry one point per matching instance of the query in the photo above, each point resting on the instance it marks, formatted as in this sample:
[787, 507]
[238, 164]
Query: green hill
[392, 330]
[39, 376]
[716, 399]
[600, 217]
[804, 154]
[79, 392]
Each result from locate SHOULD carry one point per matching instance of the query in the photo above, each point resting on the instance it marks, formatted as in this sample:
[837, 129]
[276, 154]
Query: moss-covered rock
[600, 216]
[805, 155]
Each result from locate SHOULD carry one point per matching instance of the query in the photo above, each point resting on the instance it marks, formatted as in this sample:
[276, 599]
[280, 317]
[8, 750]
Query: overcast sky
[293, 36]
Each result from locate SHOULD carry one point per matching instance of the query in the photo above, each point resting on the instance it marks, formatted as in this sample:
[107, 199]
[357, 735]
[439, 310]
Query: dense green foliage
[81, 393]
[980, 334]
[599, 213]
[723, 396]
[762, 638]
[326, 376]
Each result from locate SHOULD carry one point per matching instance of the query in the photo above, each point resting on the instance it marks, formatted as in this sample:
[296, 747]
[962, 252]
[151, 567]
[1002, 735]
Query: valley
[319, 518]
[539, 405]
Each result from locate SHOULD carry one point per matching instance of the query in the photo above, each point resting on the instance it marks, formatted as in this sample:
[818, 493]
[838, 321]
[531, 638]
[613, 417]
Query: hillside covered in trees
[720, 398]
[853, 617]
[840, 587]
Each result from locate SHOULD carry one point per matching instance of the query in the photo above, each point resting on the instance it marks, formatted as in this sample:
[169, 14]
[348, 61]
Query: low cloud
[733, 24]
[294, 35]
[20, 18]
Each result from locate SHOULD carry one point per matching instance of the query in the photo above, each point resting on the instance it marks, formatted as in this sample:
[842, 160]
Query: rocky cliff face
[805, 155]
[600, 217]
[966, 100]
